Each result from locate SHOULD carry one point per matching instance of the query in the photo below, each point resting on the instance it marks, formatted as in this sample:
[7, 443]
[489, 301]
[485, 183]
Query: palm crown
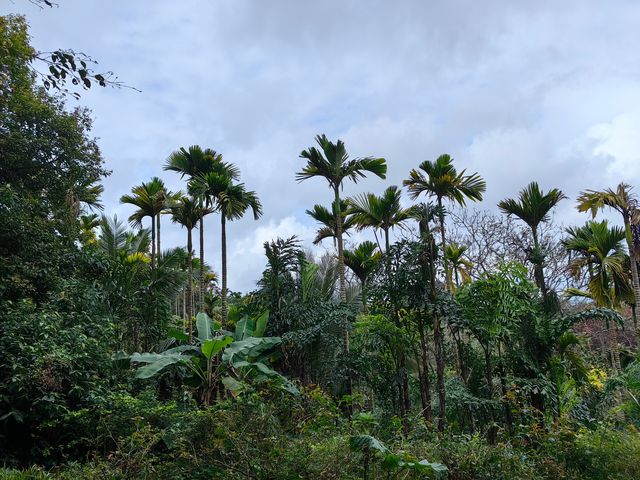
[384, 212]
[441, 180]
[532, 205]
[332, 162]
[327, 218]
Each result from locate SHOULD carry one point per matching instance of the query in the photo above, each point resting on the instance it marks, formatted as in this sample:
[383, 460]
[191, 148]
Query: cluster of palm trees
[597, 250]
[212, 187]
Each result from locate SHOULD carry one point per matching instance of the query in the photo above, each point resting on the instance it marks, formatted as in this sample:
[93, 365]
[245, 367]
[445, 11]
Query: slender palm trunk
[159, 250]
[538, 268]
[201, 264]
[425, 387]
[189, 283]
[386, 240]
[342, 287]
[635, 281]
[153, 242]
[442, 239]
[363, 295]
[438, 339]
[224, 309]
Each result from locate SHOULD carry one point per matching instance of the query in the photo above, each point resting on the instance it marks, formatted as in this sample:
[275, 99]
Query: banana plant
[216, 355]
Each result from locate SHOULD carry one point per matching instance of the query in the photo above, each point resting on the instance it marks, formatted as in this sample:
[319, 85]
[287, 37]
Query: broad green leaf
[261, 324]
[244, 328]
[250, 347]
[178, 335]
[154, 368]
[214, 346]
[203, 325]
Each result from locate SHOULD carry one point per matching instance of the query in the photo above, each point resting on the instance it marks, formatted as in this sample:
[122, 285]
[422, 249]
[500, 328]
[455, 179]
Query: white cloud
[517, 91]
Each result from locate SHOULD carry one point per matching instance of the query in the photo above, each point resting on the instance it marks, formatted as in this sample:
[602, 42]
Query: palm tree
[599, 254]
[459, 265]
[533, 207]
[425, 214]
[332, 163]
[187, 212]
[231, 201]
[363, 261]
[88, 224]
[194, 162]
[625, 203]
[329, 228]
[150, 198]
[83, 197]
[384, 212]
[441, 180]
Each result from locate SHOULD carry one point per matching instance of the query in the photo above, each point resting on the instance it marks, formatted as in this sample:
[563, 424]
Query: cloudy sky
[518, 91]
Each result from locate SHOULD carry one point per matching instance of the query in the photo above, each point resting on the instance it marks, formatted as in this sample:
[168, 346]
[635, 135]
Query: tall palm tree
[426, 214]
[362, 261]
[187, 212]
[441, 180]
[327, 219]
[231, 201]
[625, 203]
[150, 198]
[332, 163]
[384, 212]
[533, 207]
[598, 253]
[194, 162]
[459, 265]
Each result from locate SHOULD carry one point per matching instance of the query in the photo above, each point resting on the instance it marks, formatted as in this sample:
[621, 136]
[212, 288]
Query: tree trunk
[224, 309]
[635, 281]
[342, 285]
[538, 268]
[159, 251]
[439, 353]
[425, 387]
[442, 239]
[386, 240]
[153, 242]
[363, 295]
[189, 283]
[201, 264]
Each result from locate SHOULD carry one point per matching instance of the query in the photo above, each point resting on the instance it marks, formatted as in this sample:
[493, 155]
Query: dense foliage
[477, 346]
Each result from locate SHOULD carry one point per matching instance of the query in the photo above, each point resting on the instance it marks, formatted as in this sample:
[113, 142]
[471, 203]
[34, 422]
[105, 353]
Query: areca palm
[384, 212]
[533, 207]
[194, 162]
[232, 200]
[150, 198]
[332, 163]
[460, 266]
[362, 261]
[624, 202]
[187, 212]
[329, 228]
[441, 180]
[599, 254]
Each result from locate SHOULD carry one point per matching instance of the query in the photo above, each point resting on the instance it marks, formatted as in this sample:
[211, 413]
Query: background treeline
[457, 343]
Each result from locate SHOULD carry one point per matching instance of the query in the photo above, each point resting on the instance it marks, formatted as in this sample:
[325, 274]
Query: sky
[517, 91]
